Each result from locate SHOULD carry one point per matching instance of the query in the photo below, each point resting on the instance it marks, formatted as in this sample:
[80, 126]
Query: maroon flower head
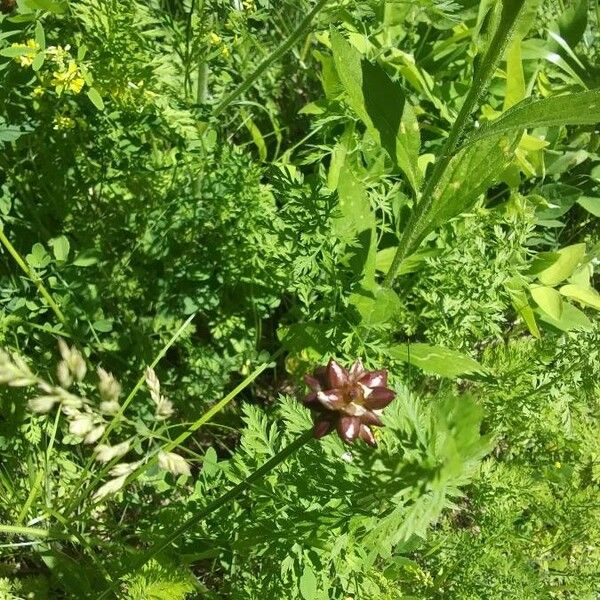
[347, 400]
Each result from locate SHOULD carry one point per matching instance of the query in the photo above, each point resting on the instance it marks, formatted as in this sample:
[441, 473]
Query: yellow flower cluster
[68, 79]
[30, 49]
[215, 39]
[66, 73]
[61, 123]
[249, 4]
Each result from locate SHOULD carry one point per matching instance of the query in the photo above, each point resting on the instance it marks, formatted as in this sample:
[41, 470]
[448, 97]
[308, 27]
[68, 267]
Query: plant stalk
[218, 503]
[33, 276]
[412, 235]
[273, 57]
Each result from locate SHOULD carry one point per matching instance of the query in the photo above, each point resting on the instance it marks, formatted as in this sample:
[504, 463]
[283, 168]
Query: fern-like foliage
[329, 516]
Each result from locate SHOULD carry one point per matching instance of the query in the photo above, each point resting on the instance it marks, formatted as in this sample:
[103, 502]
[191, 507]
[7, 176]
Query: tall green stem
[273, 57]
[413, 232]
[218, 503]
[33, 276]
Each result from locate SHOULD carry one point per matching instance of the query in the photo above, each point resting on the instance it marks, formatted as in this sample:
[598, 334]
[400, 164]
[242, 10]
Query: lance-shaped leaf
[580, 108]
[435, 359]
[355, 225]
[380, 104]
[470, 173]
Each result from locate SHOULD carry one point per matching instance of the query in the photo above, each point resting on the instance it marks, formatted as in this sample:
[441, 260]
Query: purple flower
[347, 400]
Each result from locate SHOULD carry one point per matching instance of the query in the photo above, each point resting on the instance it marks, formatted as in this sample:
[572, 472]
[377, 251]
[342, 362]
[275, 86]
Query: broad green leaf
[583, 274]
[586, 295]
[60, 247]
[515, 79]
[96, 99]
[521, 305]
[40, 36]
[376, 306]
[591, 204]
[332, 86]
[573, 22]
[470, 173]
[560, 198]
[579, 108]
[54, 6]
[38, 61]
[542, 261]
[355, 225]
[571, 319]
[87, 258]
[548, 299]
[103, 325]
[564, 266]
[13, 51]
[10, 133]
[338, 157]
[308, 584]
[311, 339]
[380, 104]
[38, 258]
[255, 133]
[435, 359]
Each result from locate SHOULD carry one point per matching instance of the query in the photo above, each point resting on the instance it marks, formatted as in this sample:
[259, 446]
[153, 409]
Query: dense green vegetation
[201, 201]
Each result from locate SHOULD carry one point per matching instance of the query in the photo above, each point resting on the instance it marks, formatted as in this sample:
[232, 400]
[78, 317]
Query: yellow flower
[214, 39]
[69, 79]
[38, 91]
[249, 4]
[30, 49]
[225, 52]
[58, 54]
[63, 123]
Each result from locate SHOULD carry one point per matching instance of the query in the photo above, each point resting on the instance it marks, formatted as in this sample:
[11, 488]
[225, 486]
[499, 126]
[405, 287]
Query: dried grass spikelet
[173, 463]
[164, 407]
[73, 361]
[110, 487]
[14, 371]
[105, 453]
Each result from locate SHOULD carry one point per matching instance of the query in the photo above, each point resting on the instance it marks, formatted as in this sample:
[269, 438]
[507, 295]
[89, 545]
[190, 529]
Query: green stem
[413, 233]
[216, 504]
[76, 500]
[35, 532]
[33, 276]
[209, 414]
[273, 57]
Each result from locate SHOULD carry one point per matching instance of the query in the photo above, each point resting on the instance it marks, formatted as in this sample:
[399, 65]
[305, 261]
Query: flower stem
[412, 235]
[216, 504]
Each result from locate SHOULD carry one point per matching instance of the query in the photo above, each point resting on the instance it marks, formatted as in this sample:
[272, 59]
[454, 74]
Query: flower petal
[320, 374]
[380, 397]
[374, 378]
[337, 376]
[357, 369]
[354, 409]
[332, 399]
[311, 400]
[322, 427]
[370, 418]
[366, 435]
[312, 382]
[348, 428]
